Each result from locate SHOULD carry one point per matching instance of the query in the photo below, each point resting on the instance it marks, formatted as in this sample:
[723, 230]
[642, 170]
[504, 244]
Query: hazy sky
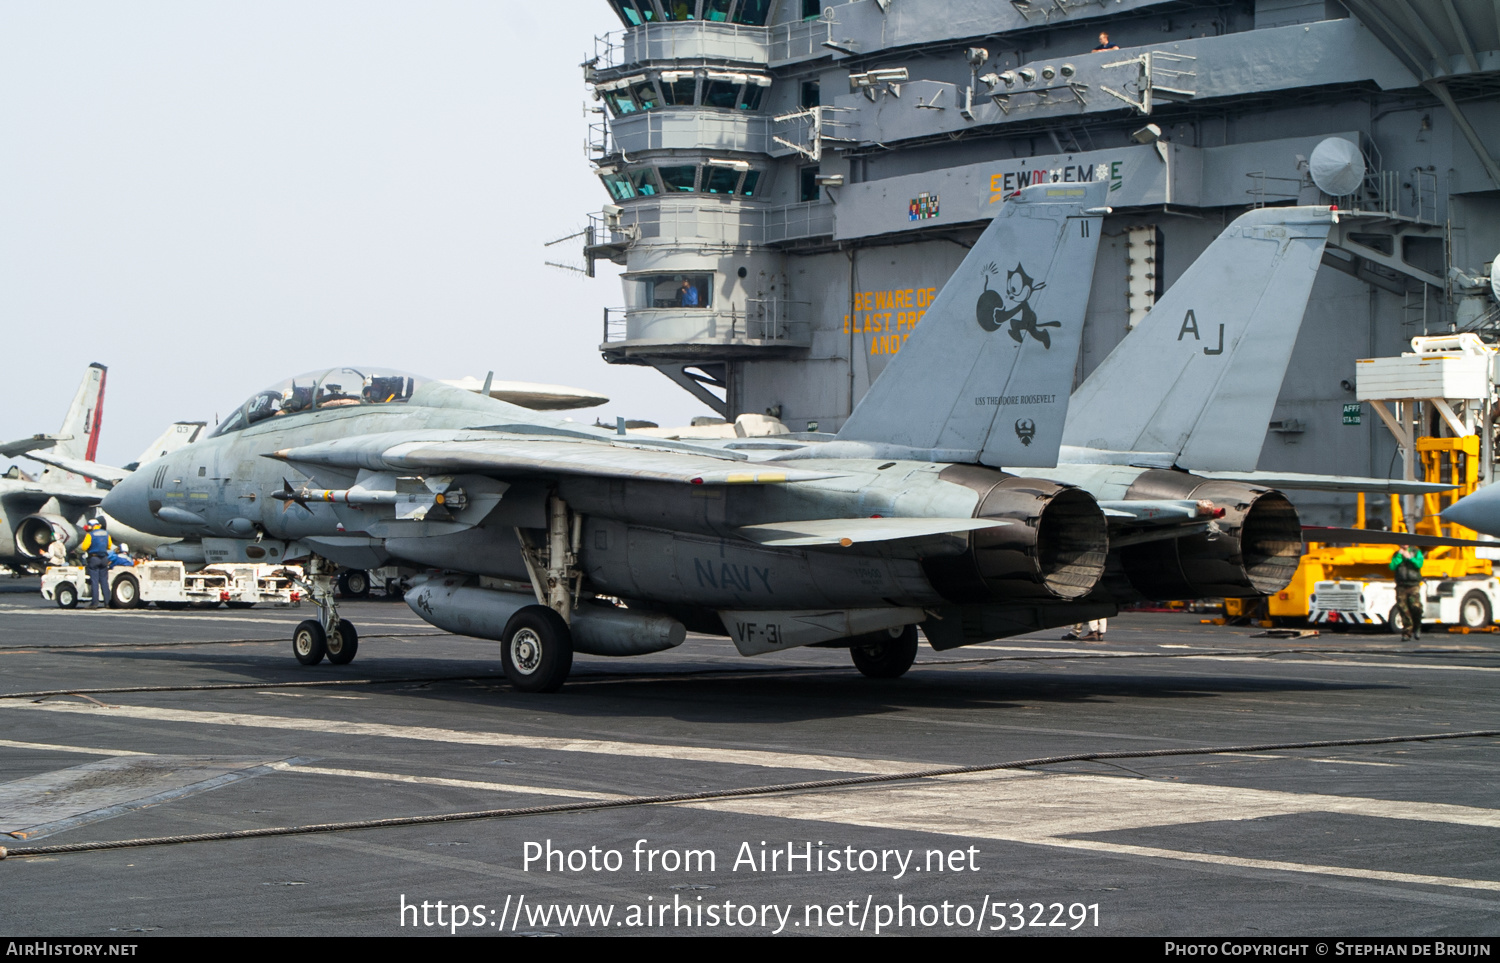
[210, 197]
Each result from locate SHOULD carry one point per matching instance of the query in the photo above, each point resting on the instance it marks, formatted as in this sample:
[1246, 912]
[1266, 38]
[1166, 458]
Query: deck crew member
[1407, 564]
[95, 548]
[57, 552]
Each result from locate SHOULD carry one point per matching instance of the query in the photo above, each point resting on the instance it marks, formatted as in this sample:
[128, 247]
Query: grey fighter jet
[36, 510]
[554, 538]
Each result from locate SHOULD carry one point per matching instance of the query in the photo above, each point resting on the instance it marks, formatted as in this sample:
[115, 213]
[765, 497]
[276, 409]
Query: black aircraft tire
[343, 644]
[309, 642]
[66, 596]
[126, 593]
[537, 650]
[888, 657]
[354, 584]
[1474, 611]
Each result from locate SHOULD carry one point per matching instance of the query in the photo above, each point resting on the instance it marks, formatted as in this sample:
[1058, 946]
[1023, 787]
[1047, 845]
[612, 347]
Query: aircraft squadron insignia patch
[1013, 305]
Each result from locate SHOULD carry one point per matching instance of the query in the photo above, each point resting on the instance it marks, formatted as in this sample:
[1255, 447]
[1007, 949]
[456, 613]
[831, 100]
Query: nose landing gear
[328, 635]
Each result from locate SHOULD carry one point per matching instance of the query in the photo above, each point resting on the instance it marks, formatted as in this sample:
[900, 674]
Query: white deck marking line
[1338, 664]
[455, 783]
[1043, 809]
[740, 757]
[1285, 758]
[1120, 849]
[82, 750]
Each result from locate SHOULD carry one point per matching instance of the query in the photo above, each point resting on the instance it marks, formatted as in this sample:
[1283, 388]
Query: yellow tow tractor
[1341, 586]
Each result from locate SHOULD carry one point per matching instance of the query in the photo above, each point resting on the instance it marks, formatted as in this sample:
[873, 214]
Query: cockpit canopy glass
[322, 390]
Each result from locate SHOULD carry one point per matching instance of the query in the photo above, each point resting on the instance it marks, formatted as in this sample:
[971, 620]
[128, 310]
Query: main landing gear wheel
[126, 593]
[538, 650]
[66, 596]
[354, 585]
[343, 643]
[309, 642]
[887, 656]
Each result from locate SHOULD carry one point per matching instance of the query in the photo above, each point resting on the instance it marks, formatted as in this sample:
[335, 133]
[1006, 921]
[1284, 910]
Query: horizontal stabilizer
[1293, 481]
[24, 445]
[847, 531]
[483, 454]
[1369, 536]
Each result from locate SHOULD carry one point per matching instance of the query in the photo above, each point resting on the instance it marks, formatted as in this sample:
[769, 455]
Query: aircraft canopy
[323, 389]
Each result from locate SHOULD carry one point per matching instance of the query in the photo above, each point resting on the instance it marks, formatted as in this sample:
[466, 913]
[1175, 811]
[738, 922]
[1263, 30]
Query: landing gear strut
[328, 635]
[538, 653]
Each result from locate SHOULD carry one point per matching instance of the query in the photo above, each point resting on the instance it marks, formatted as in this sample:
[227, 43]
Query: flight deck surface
[1399, 838]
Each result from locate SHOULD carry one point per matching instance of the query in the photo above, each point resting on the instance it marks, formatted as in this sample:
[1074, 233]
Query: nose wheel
[327, 636]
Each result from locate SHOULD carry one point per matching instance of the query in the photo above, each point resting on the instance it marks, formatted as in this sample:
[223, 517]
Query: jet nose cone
[1479, 511]
[127, 502]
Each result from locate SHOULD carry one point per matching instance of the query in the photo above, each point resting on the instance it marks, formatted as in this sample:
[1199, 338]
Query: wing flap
[815, 532]
[11, 449]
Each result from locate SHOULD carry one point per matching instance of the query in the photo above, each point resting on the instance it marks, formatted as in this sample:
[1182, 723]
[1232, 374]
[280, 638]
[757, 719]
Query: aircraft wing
[1366, 536]
[1328, 483]
[847, 531]
[11, 449]
[78, 466]
[484, 454]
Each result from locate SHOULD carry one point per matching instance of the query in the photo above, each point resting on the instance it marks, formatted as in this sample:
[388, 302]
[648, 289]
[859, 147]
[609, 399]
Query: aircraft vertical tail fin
[1199, 376]
[80, 429]
[178, 435]
[986, 375]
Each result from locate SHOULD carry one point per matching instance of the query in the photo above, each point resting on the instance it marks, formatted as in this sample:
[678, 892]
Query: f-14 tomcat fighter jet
[539, 525]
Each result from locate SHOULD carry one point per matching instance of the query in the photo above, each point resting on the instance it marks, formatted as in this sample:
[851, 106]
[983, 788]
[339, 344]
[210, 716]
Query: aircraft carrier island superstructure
[789, 183]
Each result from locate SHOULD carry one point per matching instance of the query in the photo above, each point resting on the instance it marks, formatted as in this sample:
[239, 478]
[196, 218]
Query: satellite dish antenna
[1337, 167]
[1494, 279]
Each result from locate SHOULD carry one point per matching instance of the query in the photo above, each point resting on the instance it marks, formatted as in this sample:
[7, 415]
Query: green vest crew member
[1407, 564]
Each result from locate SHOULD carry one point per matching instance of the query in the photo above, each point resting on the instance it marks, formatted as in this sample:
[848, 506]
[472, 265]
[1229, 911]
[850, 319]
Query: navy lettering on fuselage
[723, 575]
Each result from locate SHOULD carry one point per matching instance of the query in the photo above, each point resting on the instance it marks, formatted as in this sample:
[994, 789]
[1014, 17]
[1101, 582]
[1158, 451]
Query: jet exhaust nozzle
[1055, 550]
[1254, 549]
[597, 628]
[36, 532]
